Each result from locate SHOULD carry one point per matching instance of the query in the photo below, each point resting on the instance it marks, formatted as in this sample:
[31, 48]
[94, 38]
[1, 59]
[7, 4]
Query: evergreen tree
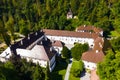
[4, 34]
[65, 52]
[78, 49]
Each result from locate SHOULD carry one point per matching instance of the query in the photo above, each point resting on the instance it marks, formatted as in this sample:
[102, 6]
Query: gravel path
[68, 71]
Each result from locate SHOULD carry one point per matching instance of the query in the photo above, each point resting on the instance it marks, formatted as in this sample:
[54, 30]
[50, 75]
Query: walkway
[85, 76]
[94, 76]
[68, 71]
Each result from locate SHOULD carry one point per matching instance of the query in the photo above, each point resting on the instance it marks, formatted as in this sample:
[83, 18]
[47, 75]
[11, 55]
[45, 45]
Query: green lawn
[75, 64]
[59, 71]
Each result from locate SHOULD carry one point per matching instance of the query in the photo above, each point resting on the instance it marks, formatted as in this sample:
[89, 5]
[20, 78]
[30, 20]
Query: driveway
[68, 71]
[94, 76]
[85, 76]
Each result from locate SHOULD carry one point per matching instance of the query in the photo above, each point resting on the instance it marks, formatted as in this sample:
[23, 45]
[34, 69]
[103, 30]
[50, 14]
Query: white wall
[52, 63]
[72, 40]
[90, 65]
[5, 55]
[58, 49]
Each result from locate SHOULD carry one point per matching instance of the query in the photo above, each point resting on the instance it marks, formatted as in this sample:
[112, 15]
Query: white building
[58, 46]
[71, 37]
[91, 29]
[40, 46]
[35, 47]
[83, 34]
[96, 55]
[69, 14]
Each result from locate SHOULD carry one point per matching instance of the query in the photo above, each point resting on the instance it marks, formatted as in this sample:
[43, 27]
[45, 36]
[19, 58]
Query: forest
[25, 16]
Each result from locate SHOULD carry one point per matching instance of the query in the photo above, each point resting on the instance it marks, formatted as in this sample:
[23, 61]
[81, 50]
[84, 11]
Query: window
[88, 66]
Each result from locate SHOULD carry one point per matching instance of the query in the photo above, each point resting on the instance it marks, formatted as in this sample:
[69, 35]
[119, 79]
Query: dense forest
[25, 16]
[19, 69]
[109, 69]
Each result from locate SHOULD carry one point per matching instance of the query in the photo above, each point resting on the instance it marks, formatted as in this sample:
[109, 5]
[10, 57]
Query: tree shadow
[83, 73]
[61, 64]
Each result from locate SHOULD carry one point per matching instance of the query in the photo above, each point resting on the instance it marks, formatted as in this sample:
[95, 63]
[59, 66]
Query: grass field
[75, 64]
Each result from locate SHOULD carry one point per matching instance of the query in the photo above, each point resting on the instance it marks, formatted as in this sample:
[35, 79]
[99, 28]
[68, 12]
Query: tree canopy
[78, 49]
[30, 15]
[109, 68]
[23, 70]
[77, 68]
[116, 44]
[65, 52]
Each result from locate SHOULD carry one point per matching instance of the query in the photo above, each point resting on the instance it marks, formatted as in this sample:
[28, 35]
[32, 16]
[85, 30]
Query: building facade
[35, 47]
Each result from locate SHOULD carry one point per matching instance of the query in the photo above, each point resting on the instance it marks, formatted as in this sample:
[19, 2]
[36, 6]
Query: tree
[116, 44]
[78, 49]
[4, 34]
[47, 72]
[109, 68]
[65, 52]
[10, 27]
[77, 68]
[38, 73]
[74, 5]
[48, 6]
[2, 77]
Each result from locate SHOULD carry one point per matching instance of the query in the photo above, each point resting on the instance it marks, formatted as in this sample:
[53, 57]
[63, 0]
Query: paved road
[85, 76]
[68, 71]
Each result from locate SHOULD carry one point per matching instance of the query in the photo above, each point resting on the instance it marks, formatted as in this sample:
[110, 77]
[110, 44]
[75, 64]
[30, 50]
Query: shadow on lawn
[60, 65]
[83, 73]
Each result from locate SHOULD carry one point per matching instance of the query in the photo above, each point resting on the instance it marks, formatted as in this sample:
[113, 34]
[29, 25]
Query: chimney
[21, 42]
[41, 43]
[28, 36]
[45, 38]
[41, 30]
[100, 45]
[97, 51]
[51, 49]
[84, 25]
[36, 33]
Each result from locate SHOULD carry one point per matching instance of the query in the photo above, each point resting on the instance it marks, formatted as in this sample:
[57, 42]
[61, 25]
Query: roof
[57, 43]
[69, 33]
[70, 12]
[25, 42]
[98, 44]
[39, 51]
[89, 28]
[92, 56]
[96, 54]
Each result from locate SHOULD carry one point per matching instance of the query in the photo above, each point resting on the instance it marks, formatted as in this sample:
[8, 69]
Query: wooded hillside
[25, 16]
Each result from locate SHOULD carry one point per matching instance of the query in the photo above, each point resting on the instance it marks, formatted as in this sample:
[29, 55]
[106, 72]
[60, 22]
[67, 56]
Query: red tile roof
[92, 56]
[96, 54]
[70, 33]
[89, 28]
[57, 43]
